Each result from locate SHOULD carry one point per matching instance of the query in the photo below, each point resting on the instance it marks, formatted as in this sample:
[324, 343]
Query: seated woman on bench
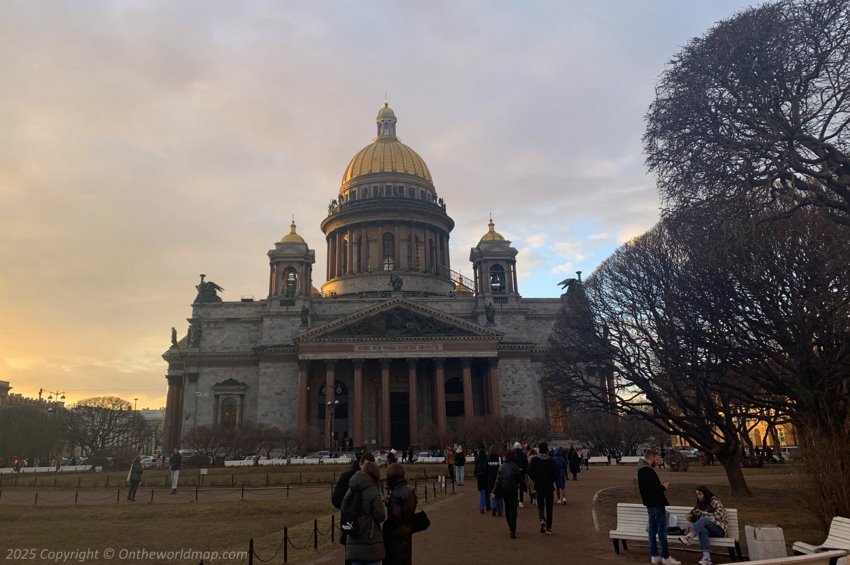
[708, 519]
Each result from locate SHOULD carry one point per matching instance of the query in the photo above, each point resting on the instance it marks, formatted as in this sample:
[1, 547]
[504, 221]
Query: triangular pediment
[398, 319]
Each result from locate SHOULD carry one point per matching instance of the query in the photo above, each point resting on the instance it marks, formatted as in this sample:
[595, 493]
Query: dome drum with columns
[387, 219]
[397, 349]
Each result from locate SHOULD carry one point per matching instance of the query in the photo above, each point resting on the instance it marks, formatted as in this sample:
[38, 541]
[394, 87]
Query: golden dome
[314, 292]
[461, 288]
[386, 154]
[492, 234]
[292, 237]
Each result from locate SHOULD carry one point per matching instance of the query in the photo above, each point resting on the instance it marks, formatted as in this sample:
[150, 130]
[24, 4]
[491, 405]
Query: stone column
[413, 401]
[496, 394]
[330, 386]
[173, 412]
[358, 402]
[440, 385]
[385, 402]
[468, 410]
[303, 397]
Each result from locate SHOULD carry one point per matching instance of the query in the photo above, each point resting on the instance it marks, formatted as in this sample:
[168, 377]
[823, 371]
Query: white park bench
[632, 525]
[833, 557]
[598, 459]
[837, 538]
[630, 460]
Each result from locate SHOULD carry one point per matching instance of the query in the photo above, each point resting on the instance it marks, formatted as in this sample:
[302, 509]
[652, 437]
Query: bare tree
[31, 432]
[758, 106]
[104, 425]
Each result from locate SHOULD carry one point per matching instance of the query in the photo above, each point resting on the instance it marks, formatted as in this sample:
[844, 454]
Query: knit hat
[517, 446]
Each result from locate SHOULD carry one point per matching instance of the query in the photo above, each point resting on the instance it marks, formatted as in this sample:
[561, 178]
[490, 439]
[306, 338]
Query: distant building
[395, 343]
[12, 399]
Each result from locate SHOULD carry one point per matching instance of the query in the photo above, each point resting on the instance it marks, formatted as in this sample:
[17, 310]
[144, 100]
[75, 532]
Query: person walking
[480, 468]
[135, 478]
[561, 480]
[521, 461]
[543, 471]
[708, 519]
[506, 488]
[460, 465]
[342, 484]
[398, 529]
[652, 494]
[175, 464]
[450, 462]
[574, 462]
[493, 463]
[367, 547]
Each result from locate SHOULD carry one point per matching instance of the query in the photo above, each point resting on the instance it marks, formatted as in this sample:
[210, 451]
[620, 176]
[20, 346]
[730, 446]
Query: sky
[143, 143]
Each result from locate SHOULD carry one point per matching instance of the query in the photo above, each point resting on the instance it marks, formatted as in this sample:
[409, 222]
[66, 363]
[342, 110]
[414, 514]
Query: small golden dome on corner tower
[492, 234]
[292, 237]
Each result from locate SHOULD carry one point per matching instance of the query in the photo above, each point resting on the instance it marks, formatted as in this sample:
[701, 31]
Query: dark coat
[398, 529]
[369, 544]
[481, 470]
[136, 471]
[341, 486]
[493, 463]
[544, 472]
[508, 479]
[575, 462]
[651, 489]
[176, 461]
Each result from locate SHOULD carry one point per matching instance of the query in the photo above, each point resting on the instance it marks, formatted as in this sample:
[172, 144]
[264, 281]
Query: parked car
[690, 453]
[319, 455]
[148, 462]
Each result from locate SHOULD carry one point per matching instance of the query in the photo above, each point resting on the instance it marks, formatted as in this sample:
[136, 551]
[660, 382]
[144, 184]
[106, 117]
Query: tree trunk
[735, 474]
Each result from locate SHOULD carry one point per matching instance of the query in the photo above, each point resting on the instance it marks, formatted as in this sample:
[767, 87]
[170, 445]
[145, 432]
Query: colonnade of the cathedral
[424, 381]
[360, 249]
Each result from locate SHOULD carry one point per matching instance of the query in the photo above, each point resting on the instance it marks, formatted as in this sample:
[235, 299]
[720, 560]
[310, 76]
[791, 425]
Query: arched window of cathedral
[365, 192]
[290, 282]
[411, 192]
[229, 413]
[389, 251]
[497, 279]
[432, 256]
[344, 255]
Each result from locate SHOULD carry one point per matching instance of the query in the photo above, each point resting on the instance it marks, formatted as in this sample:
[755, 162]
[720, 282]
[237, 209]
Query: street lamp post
[58, 395]
[331, 404]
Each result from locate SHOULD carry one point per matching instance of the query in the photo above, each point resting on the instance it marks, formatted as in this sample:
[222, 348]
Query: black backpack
[353, 521]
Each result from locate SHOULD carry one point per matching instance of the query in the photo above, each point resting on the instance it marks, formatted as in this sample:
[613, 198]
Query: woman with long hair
[707, 519]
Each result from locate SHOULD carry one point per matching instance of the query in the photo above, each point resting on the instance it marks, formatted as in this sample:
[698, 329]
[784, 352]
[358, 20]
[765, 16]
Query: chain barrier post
[333, 525]
[152, 495]
[285, 545]
[251, 551]
[196, 493]
[36, 499]
[76, 496]
[243, 491]
[315, 533]
[118, 497]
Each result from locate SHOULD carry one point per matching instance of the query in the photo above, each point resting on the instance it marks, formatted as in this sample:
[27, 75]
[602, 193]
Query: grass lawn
[220, 522]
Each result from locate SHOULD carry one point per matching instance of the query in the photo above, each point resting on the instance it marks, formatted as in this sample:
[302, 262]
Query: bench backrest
[630, 459]
[839, 533]
[632, 516]
[598, 459]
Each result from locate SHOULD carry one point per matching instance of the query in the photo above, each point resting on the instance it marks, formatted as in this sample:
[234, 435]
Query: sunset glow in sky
[147, 142]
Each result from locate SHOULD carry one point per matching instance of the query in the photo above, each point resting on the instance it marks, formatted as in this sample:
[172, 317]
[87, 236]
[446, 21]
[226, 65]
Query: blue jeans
[483, 501]
[657, 527]
[460, 472]
[705, 528]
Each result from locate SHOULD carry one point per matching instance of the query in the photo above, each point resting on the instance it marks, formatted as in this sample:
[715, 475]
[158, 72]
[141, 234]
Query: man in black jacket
[544, 471]
[653, 497]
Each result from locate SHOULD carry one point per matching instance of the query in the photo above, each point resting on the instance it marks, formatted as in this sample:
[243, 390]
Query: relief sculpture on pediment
[399, 322]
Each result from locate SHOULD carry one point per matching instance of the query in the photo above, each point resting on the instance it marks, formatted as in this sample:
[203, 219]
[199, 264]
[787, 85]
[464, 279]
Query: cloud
[145, 143]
